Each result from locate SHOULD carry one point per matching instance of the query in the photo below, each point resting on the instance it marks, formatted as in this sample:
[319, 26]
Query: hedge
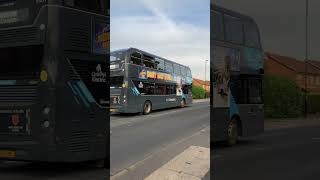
[283, 98]
[198, 92]
[313, 103]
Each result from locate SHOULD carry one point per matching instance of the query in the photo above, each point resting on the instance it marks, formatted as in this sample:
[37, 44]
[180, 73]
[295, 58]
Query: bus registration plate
[113, 110]
[7, 154]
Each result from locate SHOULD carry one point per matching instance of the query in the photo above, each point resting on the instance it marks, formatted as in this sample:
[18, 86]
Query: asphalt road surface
[290, 153]
[142, 144]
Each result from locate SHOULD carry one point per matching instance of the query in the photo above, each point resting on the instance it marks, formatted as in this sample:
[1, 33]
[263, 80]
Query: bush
[283, 98]
[198, 92]
[313, 103]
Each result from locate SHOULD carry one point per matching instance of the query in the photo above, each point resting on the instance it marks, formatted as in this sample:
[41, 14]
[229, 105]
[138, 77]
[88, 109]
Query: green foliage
[283, 98]
[313, 103]
[198, 92]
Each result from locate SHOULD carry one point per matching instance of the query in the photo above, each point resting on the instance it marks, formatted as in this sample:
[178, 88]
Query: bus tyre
[183, 103]
[147, 108]
[232, 132]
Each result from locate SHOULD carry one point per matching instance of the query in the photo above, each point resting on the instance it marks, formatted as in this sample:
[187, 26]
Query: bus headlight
[46, 124]
[46, 111]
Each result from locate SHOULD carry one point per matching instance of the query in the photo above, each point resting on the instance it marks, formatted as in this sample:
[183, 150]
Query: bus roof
[144, 52]
[232, 13]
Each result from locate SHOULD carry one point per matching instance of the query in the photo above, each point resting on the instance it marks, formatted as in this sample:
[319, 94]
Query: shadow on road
[241, 143]
[130, 115]
[41, 170]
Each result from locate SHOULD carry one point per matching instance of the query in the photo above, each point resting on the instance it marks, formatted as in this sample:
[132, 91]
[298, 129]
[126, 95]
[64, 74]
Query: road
[142, 144]
[287, 150]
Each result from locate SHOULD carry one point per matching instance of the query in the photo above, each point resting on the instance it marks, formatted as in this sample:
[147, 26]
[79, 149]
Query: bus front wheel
[147, 108]
[232, 132]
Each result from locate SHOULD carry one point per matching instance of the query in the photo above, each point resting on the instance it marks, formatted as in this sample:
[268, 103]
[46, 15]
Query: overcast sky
[178, 30]
[282, 24]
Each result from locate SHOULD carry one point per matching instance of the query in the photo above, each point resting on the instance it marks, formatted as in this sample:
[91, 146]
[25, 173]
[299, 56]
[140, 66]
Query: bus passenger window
[160, 64]
[255, 91]
[183, 71]
[252, 38]
[160, 89]
[148, 61]
[92, 5]
[176, 69]
[145, 88]
[170, 89]
[189, 72]
[234, 29]
[169, 67]
[217, 26]
[135, 58]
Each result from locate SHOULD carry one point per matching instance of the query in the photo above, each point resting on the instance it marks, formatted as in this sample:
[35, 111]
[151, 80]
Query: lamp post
[205, 77]
[306, 60]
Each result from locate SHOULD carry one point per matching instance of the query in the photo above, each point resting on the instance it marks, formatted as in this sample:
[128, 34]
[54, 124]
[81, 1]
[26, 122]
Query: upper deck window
[169, 67]
[252, 38]
[160, 64]
[183, 71]
[89, 5]
[233, 29]
[189, 72]
[148, 61]
[136, 58]
[176, 69]
[217, 25]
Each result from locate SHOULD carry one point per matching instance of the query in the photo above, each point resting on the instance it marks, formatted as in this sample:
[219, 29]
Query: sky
[178, 30]
[282, 24]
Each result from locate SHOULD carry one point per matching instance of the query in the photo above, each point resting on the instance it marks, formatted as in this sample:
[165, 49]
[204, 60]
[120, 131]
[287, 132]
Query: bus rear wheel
[147, 108]
[232, 132]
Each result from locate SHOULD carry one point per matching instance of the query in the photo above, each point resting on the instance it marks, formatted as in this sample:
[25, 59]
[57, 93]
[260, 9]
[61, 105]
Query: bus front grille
[18, 94]
[19, 35]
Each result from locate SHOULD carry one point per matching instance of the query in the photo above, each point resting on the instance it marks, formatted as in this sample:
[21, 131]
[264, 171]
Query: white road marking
[193, 164]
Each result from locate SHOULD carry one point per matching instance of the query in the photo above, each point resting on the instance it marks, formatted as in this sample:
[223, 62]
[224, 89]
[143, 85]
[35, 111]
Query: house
[204, 84]
[294, 69]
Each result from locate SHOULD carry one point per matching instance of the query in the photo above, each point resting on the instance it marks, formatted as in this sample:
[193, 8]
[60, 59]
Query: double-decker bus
[141, 82]
[54, 91]
[236, 71]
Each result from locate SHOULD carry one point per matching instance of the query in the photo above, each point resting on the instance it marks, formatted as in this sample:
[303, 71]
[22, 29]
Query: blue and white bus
[237, 70]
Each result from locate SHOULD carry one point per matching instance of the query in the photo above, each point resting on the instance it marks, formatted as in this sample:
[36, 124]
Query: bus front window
[21, 62]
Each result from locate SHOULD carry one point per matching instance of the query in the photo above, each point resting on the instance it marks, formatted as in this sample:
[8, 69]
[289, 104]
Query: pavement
[289, 149]
[146, 146]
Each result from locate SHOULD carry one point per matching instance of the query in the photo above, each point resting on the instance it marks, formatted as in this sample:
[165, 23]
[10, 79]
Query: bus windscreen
[20, 62]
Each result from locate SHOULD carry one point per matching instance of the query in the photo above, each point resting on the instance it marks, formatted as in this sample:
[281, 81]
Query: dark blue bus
[141, 82]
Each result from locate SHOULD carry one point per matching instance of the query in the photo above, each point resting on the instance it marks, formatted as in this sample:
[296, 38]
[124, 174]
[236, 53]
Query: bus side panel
[81, 125]
[220, 117]
[252, 116]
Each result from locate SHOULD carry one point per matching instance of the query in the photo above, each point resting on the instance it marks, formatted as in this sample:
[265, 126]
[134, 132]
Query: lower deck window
[147, 88]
